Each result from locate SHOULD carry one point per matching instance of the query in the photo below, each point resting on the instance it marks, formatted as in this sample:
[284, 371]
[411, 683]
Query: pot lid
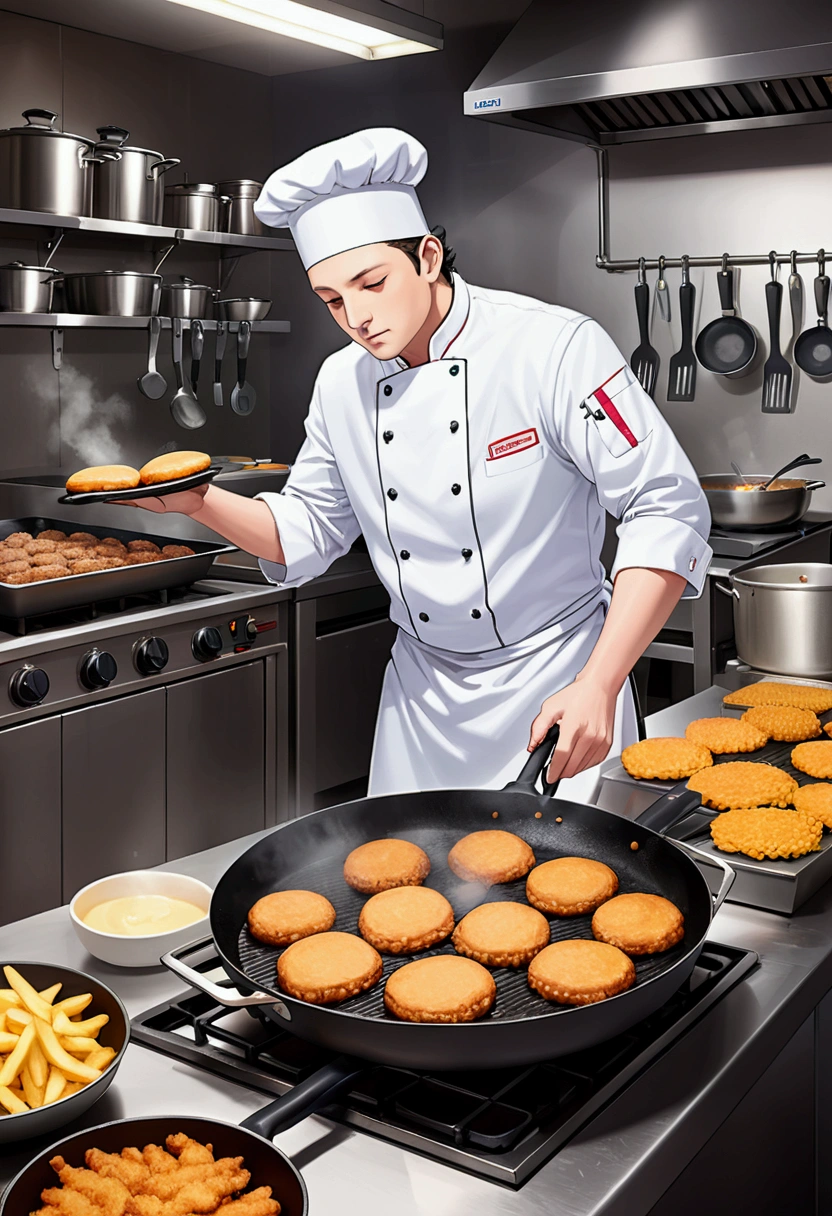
[186, 287]
[245, 300]
[241, 187]
[192, 188]
[21, 266]
[121, 274]
[40, 122]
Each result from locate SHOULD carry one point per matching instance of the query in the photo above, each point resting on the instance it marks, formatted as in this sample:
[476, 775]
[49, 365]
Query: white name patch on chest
[514, 451]
[513, 443]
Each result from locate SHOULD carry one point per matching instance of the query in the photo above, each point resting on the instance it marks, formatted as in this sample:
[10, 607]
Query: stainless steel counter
[620, 1163]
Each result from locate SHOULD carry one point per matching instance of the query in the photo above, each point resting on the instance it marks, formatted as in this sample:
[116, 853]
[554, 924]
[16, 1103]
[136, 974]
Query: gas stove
[501, 1124]
[78, 655]
[745, 544]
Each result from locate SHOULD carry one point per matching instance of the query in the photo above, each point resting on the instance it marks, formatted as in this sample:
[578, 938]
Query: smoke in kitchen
[90, 424]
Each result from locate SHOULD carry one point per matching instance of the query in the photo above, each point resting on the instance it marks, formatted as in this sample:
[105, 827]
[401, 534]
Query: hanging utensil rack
[603, 261]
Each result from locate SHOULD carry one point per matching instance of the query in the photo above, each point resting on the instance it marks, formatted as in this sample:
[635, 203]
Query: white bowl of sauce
[132, 919]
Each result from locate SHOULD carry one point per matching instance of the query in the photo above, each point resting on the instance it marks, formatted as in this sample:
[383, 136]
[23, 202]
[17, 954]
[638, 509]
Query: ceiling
[186, 31]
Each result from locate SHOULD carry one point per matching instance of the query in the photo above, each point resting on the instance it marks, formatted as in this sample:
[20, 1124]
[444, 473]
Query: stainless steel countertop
[620, 1163]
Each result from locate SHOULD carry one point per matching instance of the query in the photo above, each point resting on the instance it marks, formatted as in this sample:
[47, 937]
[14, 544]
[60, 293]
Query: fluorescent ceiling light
[296, 20]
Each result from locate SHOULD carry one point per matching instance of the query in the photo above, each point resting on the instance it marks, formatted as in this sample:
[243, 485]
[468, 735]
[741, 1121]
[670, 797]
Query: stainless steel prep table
[621, 1163]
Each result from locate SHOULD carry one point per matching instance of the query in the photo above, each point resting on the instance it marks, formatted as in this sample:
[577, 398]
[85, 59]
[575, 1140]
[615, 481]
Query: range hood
[608, 72]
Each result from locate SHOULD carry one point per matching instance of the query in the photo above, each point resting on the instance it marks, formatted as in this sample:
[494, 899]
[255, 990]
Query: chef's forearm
[245, 522]
[642, 600]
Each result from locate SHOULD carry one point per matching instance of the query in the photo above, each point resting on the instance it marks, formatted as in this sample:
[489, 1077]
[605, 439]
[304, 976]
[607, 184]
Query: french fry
[54, 1086]
[2, 1019]
[72, 1087]
[17, 1059]
[72, 1005]
[101, 1058]
[8, 1041]
[49, 994]
[62, 1024]
[9, 996]
[77, 1045]
[17, 1020]
[30, 997]
[73, 1070]
[12, 1103]
[32, 1093]
[37, 1065]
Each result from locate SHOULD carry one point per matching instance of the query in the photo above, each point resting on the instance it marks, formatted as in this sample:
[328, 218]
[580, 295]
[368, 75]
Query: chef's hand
[185, 502]
[586, 713]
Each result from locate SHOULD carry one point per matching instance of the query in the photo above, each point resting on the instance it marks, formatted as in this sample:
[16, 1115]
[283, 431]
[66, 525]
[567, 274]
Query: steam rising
[88, 423]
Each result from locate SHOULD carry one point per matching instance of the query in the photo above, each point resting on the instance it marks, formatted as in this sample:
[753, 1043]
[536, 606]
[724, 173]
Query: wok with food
[514, 1024]
[163, 1166]
[743, 505]
[62, 1037]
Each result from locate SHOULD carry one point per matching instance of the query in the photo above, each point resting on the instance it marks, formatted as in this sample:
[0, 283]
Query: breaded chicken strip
[68, 1203]
[110, 1195]
[134, 1174]
[194, 1197]
[157, 1160]
[190, 1152]
[258, 1202]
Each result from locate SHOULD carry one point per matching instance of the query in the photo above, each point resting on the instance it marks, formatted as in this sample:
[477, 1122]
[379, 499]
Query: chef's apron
[457, 721]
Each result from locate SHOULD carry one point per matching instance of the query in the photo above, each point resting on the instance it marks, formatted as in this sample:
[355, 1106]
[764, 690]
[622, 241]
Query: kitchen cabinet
[216, 773]
[343, 645]
[30, 792]
[113, 774]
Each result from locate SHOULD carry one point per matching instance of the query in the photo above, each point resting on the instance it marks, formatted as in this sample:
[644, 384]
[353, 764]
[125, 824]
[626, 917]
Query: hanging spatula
[777, 373]
[644, 360]
[681, 384]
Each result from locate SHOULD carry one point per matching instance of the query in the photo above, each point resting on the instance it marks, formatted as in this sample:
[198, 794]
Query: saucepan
[781, 618]
[522, 1028]
[762, 500]
[244, 308]
[267, 1165]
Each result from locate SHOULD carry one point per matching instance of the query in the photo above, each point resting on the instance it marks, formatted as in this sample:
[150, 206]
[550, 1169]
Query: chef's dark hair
[410, 246]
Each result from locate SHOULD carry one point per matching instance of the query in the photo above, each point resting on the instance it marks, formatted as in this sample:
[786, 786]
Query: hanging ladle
[797, 463]
[186, 410]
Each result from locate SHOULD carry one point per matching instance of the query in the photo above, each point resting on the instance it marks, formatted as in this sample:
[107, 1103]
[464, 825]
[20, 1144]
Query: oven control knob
[207, 643]
[28, 686]
[98, 669]
[151, 656]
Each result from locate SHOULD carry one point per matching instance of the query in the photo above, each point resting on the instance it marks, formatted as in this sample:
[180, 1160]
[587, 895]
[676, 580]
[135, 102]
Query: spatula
[644, 360]
[777, 373]
[681, 384]
[243, 396]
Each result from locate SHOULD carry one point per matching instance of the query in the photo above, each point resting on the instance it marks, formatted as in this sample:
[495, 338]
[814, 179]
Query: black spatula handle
[774, 298]
[642, 294]
[534, 766]
[687, 298]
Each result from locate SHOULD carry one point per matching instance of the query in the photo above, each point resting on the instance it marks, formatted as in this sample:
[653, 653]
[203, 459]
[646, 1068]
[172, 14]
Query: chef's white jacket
[481, 481]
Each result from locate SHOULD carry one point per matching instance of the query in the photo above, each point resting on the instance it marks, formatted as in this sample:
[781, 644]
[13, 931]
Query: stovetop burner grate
[500, 1124]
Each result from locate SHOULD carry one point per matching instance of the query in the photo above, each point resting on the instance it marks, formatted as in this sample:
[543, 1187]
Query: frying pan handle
[728, 872]
[725, 283]
[679, 801]
[223, 996]
[534, 766]
[324, 1086]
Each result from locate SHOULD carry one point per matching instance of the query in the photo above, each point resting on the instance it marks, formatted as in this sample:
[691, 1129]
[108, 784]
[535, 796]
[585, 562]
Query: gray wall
[520, 210]
[218, 121]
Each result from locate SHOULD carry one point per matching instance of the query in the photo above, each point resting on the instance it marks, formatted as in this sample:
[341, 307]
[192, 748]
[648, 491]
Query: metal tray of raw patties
[74, 590]
[156, 490]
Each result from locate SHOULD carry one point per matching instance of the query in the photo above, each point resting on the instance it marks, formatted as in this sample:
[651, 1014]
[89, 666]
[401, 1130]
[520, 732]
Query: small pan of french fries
[62, 1036]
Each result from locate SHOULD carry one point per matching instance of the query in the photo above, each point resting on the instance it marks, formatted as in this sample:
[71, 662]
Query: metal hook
[821, 262]
[772, 261]
[725, 263]
[642, 273]
[662, 264]
[793, 258]
[685, 269]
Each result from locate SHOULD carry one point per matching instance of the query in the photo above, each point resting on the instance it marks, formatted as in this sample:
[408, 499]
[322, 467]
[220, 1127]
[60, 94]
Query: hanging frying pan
[727, 344]
[813, 349]
[308, 853]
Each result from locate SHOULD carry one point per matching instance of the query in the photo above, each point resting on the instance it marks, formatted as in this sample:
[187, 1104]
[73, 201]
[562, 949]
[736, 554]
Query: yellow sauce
[142, 915]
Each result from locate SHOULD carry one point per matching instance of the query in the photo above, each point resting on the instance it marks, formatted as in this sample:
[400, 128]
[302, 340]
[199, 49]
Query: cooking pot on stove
[737, 506]
[782, 618]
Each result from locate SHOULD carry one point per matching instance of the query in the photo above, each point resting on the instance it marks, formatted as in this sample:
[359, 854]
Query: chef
[477, 439]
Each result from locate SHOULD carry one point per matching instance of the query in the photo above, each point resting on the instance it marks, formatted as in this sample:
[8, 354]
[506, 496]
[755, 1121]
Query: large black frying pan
[267, 1164]
[522, 1027]
[728, 344]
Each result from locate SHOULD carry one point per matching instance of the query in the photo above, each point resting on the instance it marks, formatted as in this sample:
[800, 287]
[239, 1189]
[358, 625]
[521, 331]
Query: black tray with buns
[174, 486]
[72, 590]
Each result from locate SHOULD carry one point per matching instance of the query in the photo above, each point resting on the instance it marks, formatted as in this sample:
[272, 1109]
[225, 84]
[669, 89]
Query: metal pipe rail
[603, 261]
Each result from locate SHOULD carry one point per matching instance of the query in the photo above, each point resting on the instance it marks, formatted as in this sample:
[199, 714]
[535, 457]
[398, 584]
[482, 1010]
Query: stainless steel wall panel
[216, 744]
[30, 799]
[113, 772]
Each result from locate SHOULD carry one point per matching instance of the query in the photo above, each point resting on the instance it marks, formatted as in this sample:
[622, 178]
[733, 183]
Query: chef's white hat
[355, 191]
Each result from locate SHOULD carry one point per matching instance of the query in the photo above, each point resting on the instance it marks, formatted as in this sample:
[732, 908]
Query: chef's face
[376, 295]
